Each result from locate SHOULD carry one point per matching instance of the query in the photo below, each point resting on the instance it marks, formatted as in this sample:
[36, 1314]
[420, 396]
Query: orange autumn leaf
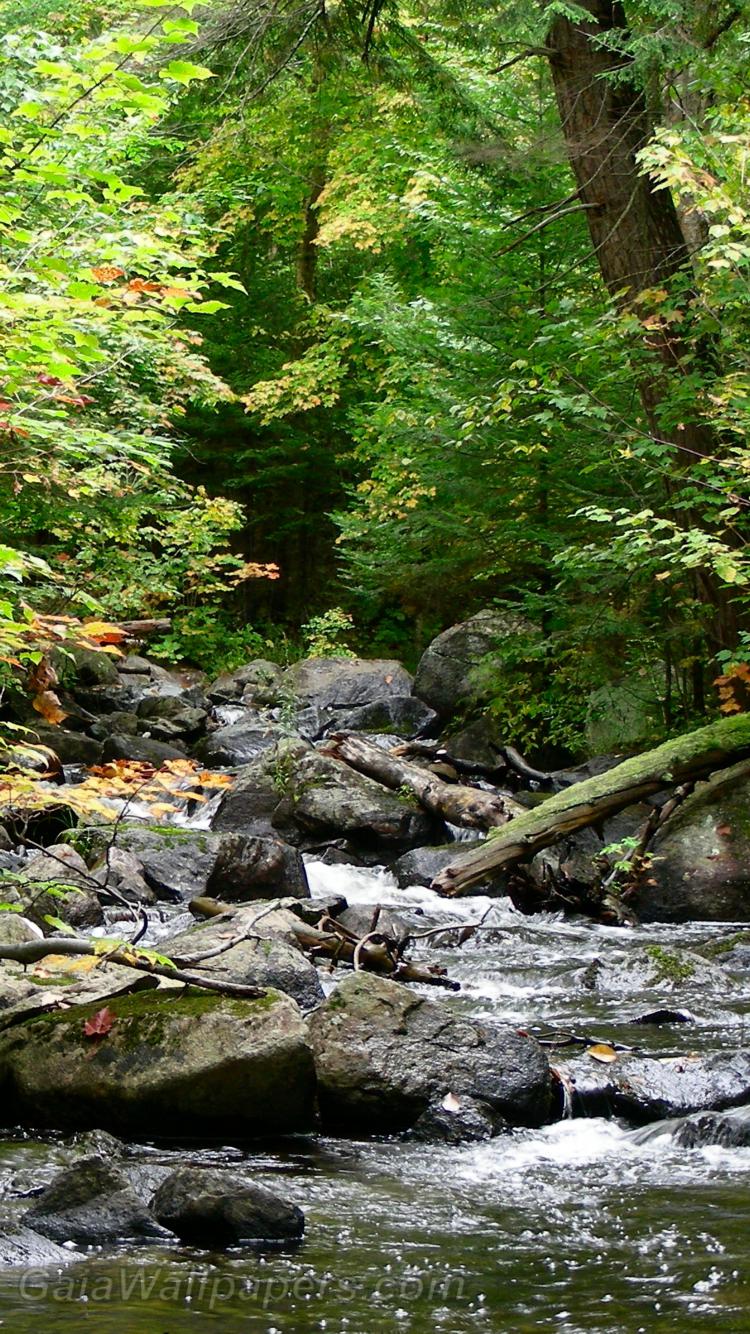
[99, 1025]
[106, 273]
[48, 704]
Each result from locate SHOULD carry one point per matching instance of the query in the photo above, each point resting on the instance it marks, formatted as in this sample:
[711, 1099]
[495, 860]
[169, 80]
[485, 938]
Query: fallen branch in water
[33, 951]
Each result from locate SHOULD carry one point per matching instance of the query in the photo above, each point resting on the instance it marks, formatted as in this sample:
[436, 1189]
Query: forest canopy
[328, 324]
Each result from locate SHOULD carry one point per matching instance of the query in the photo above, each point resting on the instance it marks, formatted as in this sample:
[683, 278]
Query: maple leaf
[99, 1025]
[106, 273]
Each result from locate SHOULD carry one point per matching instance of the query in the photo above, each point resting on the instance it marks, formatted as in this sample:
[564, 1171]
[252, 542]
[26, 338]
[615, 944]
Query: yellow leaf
[602, 1052]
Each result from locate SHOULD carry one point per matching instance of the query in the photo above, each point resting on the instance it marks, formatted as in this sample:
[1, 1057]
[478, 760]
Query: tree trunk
[688, 758]
[635, 231]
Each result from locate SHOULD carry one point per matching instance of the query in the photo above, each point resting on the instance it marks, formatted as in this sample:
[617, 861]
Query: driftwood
[374, 952]
[142, 629]
[675, 762]
[467, 806]
[32, 951]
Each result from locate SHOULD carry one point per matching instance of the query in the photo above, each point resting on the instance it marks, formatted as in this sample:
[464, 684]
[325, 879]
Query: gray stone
[69, 747]
[654, 968]
[302, 792]
[65, 870]
[83, 666]
[248, 867]
[700, 859]
[396, 715]
[262, 960]
[257, 682]
[193, 1063]
[447, 676]
[91, 1203]
[22, 1248]
[642, 1089]
[141, 749]
[384, 1054]
[186, 719]
[133, 663]
[345, 683]
[241, 742]
[209, 1207]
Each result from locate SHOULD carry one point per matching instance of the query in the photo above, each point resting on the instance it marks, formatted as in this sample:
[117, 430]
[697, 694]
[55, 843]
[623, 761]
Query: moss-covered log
[688, 758]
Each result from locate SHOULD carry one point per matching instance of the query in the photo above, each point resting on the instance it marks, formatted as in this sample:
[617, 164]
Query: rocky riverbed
[547, 1128]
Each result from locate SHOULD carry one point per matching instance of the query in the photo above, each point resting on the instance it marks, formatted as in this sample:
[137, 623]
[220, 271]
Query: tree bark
[675, 762]
[467, 806]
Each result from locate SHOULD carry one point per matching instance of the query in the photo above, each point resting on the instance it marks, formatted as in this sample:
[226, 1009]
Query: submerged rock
[90, 1203]
[653, 968]
[172, 1062]
[384, 1054]
[209, 1207]
[730, 1130]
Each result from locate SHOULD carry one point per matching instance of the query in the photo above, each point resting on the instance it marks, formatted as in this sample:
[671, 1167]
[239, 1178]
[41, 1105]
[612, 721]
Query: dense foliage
[309, 290]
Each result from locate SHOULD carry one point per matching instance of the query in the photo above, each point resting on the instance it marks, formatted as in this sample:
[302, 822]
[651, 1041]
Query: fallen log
[468, 806]
[143, 628]
[588, 803]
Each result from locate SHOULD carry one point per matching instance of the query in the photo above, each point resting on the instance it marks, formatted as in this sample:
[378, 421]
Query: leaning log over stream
[470, 807]
[589, 803]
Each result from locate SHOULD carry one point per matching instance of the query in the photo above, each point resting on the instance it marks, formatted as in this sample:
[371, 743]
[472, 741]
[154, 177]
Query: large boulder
[84, 666]
[384, 1055]
[90, 1203]
[171, 1062]
[700, 859]
[312, 796]
[141, 749]
[447, 677]
[345, 683]
[209, 1207]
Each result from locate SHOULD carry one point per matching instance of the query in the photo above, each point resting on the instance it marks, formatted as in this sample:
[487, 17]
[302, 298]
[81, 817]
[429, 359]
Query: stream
[585, 1225]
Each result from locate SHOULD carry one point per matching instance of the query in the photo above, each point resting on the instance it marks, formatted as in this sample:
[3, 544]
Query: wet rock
[178, 863]
[730, 1130]
[241, 742]
[700, 860]
[419, 866]
[256, 683]
[64, 870]
[642, 1089]
[397, 715]
[358, 919]
[182, 719]
[22, 1248]
[458, 1121]
[447, 677]
[263, 960]
[384, 1054]
[121, 722]
[172, 1062]
[480, 743]
[302, 792]
[209, 1207]
[91, 1203]
[653, 968]
[120, 874]
[144, 750]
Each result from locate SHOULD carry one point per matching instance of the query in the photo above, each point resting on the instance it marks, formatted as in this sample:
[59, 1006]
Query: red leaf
[99, 1024]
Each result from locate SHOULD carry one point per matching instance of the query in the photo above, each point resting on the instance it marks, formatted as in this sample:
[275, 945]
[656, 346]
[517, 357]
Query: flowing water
[582, 1226]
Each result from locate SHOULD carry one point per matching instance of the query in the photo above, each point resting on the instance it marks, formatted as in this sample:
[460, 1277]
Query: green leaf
[184, 72]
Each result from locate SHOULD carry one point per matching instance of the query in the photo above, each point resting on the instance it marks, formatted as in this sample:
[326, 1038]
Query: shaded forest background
[329, 324]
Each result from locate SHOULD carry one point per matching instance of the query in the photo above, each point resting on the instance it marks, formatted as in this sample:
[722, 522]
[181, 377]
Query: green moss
[669, 967]
[713, 949]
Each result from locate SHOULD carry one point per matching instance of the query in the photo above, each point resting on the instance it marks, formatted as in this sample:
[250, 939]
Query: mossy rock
[172, 1063]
